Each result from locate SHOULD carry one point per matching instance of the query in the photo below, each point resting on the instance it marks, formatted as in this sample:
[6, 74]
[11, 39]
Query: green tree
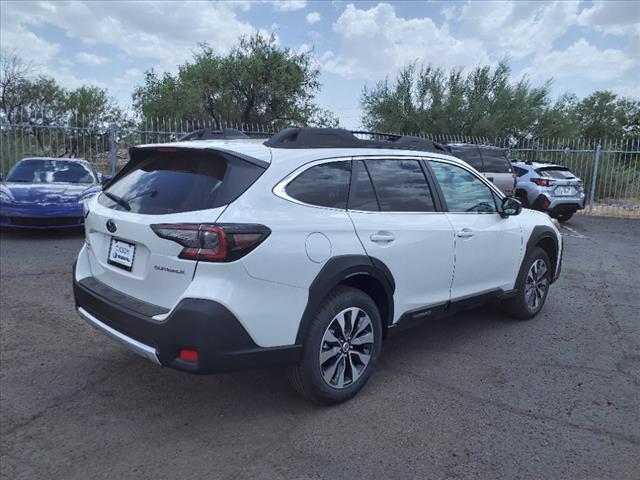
[483, 102]
[88, 105]
[603, 114]
[257, 82]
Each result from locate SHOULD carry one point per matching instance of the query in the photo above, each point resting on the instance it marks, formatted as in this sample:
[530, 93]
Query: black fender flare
[335, 271]
[542, 232]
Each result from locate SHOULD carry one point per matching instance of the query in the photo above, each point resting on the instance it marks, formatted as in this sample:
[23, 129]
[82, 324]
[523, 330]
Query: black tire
[518, 306]
[522, 196]
[563, 217]
[307, 377]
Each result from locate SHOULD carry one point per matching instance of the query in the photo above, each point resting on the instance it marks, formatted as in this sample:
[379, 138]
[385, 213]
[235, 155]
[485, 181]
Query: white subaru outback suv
[305, 250]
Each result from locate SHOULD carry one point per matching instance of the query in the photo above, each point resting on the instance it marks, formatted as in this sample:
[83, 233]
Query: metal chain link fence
[610, 169]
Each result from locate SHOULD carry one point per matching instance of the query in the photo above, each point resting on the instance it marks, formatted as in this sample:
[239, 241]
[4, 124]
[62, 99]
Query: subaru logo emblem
[111, 226]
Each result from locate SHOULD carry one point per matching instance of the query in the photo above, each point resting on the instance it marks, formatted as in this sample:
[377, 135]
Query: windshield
[50, 171]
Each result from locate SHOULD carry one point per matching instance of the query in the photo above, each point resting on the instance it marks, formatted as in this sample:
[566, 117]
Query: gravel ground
[473, 396]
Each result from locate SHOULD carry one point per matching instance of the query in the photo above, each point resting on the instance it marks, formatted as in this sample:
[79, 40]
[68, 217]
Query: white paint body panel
[267, 290]
[490, 257]
[420, 257]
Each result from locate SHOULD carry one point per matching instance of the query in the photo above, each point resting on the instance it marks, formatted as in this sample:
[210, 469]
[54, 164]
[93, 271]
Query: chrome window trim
[280, 188]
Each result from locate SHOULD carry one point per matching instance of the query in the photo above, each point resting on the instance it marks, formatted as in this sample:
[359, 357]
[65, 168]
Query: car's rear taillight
[213, 243]
[543, 182]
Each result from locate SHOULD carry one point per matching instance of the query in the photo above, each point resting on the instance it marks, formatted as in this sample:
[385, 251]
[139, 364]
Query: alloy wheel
[346, 348]
[536, 284]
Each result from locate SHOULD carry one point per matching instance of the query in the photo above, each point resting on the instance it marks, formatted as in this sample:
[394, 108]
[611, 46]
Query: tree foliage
[29, 97]
[257, 82]
[484, 102]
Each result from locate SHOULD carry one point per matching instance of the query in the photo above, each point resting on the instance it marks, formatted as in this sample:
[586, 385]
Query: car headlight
[5, 197]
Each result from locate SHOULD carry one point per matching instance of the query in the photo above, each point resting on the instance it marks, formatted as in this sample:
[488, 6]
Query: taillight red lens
[543, 182]
[213, 243]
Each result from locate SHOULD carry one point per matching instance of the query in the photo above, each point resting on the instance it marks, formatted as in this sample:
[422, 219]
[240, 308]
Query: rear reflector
[213, 243]
[188, 355]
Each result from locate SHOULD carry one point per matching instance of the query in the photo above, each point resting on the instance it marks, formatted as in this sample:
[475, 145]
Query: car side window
[361, 195]
[463, 191]
[520, 171]
[325, 185]
[400, 185]
[495, 160]
[470, 154]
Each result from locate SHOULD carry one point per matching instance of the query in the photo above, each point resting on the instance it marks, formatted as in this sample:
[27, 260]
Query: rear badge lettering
[162, 268]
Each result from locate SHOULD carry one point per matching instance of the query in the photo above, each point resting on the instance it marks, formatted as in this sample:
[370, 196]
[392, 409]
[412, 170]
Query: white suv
[305, 250]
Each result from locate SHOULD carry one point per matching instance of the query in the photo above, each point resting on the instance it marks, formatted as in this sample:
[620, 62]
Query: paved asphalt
[473, 396]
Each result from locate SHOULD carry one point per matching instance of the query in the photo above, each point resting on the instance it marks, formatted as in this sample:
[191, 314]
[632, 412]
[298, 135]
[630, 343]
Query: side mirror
[105, 179]
[510, 206]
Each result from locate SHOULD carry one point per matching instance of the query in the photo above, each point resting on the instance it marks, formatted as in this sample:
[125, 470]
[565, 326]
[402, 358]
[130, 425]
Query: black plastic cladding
[341, 138]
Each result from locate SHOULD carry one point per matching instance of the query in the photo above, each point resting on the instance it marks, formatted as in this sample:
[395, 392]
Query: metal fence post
[594, 177]
[113, 145]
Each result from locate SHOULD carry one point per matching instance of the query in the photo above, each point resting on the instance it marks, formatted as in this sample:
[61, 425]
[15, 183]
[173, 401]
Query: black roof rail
[207, 134]
[307, 137]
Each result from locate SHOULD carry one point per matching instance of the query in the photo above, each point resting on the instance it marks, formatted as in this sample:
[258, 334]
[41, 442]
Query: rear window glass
[400, 186]
[495, 160]
[325, 185]
[559, 173]
[470, 155]
[182, 181]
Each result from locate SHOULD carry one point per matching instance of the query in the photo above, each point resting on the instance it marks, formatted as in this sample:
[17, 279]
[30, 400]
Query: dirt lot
[473, 396]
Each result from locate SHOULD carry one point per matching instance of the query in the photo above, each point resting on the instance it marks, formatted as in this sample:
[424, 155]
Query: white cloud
[517, 29]
[612, 17]
[581, 60]
[90, 59]
[628, 90]
[138, 29]
[313, 17]
[15, 36]
[288, 5]
[376, 42]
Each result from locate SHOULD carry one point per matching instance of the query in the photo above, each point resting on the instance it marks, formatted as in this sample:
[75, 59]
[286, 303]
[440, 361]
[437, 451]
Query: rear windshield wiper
[119, 200]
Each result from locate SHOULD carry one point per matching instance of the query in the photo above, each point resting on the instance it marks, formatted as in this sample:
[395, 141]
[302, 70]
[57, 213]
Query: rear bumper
[557, 205]
[206, 326]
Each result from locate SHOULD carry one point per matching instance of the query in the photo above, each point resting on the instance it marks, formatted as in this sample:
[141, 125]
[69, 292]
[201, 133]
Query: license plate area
[121, 254]
[565, 191]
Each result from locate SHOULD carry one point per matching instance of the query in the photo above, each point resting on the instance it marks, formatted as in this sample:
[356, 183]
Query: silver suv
[550, 188]
[491, 162]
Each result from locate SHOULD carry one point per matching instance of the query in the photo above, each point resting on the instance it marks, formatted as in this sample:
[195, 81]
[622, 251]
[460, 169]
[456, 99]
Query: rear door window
[469, 154]
[325, 185]
[361, 195]
[179, 181]
[495, 160]
[400, 185]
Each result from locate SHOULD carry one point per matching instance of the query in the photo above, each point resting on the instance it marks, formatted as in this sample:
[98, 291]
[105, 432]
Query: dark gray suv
[492, 162]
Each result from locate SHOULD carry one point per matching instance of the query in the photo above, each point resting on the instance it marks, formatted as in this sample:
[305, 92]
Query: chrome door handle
[381, 237]
[465, 233]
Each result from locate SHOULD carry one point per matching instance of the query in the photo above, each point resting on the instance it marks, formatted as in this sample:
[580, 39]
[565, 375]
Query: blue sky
[583, 45]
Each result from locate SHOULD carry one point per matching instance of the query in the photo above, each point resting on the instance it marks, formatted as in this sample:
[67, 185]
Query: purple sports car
[47, 193]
